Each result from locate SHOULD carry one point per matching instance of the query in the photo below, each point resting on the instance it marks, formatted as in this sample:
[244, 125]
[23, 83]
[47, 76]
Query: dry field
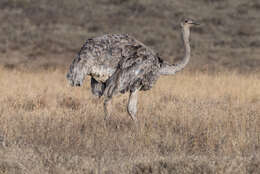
[206, 119]
[189, 123]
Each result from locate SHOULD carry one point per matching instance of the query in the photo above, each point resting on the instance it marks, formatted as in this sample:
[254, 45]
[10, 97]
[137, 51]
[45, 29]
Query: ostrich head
[187, 23]
[77, 72]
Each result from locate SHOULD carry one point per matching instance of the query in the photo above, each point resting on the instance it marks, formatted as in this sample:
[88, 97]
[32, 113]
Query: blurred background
[43, 34]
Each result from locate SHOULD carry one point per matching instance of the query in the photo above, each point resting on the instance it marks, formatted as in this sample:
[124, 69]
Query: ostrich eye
[186, 21]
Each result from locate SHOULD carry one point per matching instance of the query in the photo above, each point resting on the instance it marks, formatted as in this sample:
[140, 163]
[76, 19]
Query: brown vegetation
[190, 123]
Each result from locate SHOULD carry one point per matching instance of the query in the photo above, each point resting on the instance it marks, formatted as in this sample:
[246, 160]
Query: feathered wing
[138, 71]
[117, 63]
[103, 54]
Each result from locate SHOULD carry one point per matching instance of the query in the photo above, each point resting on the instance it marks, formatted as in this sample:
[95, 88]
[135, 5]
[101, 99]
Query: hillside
[46, 33]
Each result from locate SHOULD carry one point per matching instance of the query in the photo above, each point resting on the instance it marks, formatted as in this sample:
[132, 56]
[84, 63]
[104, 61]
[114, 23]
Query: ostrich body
[118, 63]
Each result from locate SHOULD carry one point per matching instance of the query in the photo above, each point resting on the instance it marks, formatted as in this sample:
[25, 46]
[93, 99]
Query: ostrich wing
[104, 54]
[139, 71]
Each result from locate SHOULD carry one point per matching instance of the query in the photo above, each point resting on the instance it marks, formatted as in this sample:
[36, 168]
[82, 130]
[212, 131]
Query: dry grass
[207, 122]
[190, 123]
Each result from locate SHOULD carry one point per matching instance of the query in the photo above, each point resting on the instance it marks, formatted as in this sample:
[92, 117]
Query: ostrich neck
[169, 69]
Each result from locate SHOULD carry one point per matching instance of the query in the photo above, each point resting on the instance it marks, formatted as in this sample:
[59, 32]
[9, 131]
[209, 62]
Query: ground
[193, 123]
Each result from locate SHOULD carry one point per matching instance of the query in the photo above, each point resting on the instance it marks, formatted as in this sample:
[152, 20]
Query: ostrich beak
[195, 23]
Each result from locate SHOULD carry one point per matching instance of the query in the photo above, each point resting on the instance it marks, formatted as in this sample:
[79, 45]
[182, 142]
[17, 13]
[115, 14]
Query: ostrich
[118, 63]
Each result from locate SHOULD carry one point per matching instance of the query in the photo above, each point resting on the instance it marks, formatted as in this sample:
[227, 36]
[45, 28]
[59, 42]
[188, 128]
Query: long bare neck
[169, 69]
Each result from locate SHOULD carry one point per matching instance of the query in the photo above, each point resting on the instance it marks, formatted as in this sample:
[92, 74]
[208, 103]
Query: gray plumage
[118, 63]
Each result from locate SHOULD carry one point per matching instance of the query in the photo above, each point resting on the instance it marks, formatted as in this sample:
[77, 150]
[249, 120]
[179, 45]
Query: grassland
[190, 123]
[205, 119]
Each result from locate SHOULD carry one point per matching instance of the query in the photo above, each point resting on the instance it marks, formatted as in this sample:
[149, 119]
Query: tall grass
[188, 123]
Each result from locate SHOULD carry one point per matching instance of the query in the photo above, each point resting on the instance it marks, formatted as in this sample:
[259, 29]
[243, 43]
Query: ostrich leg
[107, 107]
[132, 104]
